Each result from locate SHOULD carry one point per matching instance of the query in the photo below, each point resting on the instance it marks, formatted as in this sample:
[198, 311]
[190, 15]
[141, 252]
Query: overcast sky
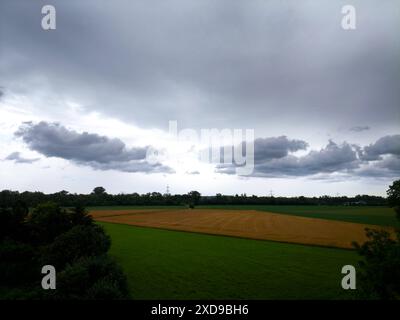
[82, 105]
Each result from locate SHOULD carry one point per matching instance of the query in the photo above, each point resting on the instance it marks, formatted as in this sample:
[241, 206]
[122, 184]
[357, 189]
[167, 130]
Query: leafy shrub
[66, 239]
[11, 221]
[379, 275]
[80, 241]
[18, 263]
[96, 277]
[47, 221]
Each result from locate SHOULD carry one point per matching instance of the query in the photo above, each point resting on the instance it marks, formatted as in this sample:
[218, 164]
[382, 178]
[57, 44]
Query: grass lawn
[163, 264]
[360, 214]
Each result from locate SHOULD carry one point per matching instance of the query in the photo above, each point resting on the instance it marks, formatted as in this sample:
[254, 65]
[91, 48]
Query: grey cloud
[385, 145]
[359, 128]
[16, 156]
[276, 147]
[257, 59]
[381, 159]
[271, 148]
[332, 158]
[388, 167]
[99, 152]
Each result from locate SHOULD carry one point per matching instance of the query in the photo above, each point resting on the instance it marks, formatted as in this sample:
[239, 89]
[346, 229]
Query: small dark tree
[194, 198]
[394, 197]
[80, 216]
[99, 191]
[379, 276]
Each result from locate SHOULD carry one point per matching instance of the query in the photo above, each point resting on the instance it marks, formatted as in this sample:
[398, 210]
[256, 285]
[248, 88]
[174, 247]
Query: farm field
[243, 223]
[163, 264]
[375, 215]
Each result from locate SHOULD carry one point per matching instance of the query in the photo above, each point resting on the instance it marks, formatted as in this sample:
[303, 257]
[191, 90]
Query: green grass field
[382, 216]
[163, 264]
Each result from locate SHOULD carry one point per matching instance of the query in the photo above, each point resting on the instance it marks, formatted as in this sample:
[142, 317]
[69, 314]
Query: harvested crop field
[243, 223]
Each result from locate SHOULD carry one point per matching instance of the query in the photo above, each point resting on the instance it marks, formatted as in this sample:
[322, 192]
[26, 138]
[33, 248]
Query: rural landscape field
[300, 256]
[211, 153]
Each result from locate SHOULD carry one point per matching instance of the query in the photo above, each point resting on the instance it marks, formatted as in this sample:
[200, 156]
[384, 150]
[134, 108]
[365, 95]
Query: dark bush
[80, 241]
[18, 263]
[70, 241]
[92, 278]
[379, 275]
[47, 221]
[12, 221]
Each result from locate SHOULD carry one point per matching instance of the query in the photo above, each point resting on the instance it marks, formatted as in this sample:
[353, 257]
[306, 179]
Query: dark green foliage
[96, 277]
[80, 216]
[394, 197]
[379, 272]
[47, 221]
[105, 289]
[380, 268]
[194, 198]
[66, 239]
[99, 191]
[18, 263]
[99, 197]
[80, 241]
[11, 221]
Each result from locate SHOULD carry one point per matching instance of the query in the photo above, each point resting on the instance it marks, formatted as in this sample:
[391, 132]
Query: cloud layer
[381, 158]
[388, 145]
[276, 147]
[99, 152]
[260, 60]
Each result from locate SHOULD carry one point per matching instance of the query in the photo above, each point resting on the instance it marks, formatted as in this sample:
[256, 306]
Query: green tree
[379, 270]
[80, 241]
[99, 191]
[379, 276]
[394, 197]
[47, 221]
[194, 198]
[95, 277]
[66, 239]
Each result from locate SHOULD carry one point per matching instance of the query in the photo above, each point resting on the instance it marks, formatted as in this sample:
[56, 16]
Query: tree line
[99, 197]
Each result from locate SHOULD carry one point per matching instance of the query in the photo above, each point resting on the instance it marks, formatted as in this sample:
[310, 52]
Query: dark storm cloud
[334, 158]
[385, 145]
[257, 59]
[99, 152]
[270, 148]
[276, 147]
[387, 167]
[17, 158]
[359, 128]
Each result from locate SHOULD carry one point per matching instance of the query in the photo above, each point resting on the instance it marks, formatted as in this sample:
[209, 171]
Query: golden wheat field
[243, 223]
